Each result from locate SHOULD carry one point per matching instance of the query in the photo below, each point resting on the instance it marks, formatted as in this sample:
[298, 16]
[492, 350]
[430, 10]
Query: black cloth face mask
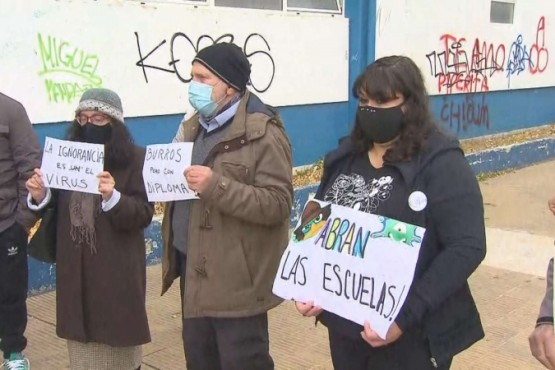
[94, 134]
[380, 125]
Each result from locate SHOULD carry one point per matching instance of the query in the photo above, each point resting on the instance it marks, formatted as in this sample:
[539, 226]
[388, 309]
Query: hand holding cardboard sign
[35, 186]
[106, 185]
[198, 177]
[308, 308]
[373, 339]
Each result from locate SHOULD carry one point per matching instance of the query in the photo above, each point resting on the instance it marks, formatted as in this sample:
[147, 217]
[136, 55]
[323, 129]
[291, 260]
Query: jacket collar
[248, 124]
[437, 143]
[249, 105]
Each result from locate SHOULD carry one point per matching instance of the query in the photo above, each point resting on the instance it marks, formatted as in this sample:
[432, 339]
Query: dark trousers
[13, 289]
[409, 352]
[225, 343]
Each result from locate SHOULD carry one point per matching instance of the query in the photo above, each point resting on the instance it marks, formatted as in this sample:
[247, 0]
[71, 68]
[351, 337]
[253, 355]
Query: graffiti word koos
[463, 112]
[68, 70]
[181, 41]
[455, 71]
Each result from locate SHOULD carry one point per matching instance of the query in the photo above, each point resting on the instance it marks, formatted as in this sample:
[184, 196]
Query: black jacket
[439, 303]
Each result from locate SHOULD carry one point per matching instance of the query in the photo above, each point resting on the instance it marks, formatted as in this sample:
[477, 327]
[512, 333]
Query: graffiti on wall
[532, 58]
[465, 112]
[181, 49]
[67, 70]
[458, 70]
[460, 66]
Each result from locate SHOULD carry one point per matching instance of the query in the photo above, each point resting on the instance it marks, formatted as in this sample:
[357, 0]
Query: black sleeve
[457, 215]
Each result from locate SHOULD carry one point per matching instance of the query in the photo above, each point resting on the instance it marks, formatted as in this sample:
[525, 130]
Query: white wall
[459, 50]
[50, 51]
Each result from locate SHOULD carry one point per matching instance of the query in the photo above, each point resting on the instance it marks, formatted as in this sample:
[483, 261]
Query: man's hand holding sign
[357, 265]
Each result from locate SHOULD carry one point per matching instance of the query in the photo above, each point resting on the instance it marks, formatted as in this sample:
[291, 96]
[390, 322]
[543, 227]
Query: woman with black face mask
[397, 163]
[100, 256]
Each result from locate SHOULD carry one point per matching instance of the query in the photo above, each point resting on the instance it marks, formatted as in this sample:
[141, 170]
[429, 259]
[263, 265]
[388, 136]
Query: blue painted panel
[56, 130]
[512, 157]
[314, 129]
[472, 115]
[42, 277]
[362, 42]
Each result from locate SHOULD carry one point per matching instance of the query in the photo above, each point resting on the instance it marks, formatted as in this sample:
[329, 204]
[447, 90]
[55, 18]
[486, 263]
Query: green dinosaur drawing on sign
[398, 231]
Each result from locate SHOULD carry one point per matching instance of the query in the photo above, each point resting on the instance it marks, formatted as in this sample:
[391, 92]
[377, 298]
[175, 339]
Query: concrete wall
[315, 126]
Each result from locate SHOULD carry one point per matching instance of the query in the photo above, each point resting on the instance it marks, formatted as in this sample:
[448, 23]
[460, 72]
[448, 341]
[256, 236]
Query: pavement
[507, 287]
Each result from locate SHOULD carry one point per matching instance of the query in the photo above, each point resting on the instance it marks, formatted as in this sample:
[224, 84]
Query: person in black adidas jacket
[398, 163]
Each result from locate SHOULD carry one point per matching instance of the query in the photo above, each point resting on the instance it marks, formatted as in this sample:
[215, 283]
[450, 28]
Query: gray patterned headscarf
[83, 209]
[102, 100]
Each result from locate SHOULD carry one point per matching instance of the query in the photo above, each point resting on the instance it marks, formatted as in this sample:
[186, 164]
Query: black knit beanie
[228, 62]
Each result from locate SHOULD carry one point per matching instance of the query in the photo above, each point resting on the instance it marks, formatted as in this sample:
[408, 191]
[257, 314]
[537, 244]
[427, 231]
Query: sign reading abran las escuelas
[357, 265]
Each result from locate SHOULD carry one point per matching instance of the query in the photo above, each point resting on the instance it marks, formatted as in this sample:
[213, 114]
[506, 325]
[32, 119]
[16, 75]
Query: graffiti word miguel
[460, 112]
[182, 46]
[68, 70]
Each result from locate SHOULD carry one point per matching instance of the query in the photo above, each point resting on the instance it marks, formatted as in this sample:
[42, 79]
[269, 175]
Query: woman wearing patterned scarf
[100, 260]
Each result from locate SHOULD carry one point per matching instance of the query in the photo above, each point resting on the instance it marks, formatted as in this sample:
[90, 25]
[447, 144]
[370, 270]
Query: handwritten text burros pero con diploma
[163, 172]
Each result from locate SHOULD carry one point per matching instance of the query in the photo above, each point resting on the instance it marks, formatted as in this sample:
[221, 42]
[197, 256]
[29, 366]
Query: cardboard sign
[72, 165]
[357, 265]
[163, 172]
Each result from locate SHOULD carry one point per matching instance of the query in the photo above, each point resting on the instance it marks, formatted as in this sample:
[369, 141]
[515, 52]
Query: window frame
[184, 2]
[285, 7]
[339, 4]
[511, 2]
[213, 4]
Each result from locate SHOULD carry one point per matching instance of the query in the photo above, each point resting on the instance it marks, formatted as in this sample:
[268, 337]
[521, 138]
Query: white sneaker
[17, 361]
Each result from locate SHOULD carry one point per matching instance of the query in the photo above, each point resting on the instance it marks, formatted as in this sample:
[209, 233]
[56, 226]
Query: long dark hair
[119, 148]
[382, 81]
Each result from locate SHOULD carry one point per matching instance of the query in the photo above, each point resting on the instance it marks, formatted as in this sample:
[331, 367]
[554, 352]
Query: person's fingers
[37, 178]
[536, 347]
[549, 351]
[371, 337]
[304, 308]
[314, 311]
[33, 185]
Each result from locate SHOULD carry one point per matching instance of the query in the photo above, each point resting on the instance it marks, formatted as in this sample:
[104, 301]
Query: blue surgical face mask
[200, 97]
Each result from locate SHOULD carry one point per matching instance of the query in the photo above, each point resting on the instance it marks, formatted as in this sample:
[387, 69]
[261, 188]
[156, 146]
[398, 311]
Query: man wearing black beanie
[226, 246]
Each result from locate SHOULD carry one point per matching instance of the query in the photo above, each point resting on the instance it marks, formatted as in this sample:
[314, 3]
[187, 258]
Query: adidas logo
[12, 251]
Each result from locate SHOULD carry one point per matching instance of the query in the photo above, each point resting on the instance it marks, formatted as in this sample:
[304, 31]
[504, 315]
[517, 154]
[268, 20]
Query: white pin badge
[418, 201]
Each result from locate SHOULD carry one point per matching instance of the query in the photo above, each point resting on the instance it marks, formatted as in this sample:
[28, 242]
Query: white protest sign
[72, 165]
[357, 265]
[163, 172]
